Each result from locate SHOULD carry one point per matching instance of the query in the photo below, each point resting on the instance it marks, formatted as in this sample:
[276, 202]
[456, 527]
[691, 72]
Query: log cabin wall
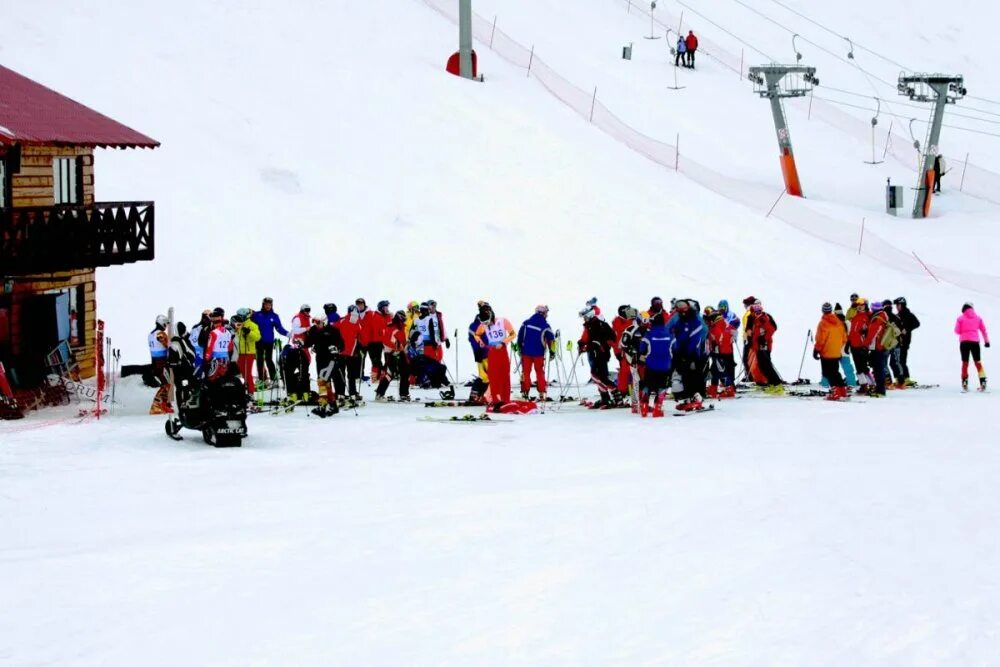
[33, 185]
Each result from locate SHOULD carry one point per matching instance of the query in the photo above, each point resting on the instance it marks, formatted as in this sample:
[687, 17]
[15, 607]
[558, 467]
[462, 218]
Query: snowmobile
[218, 409]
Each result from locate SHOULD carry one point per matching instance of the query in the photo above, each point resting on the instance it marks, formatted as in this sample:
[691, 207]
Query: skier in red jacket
[691, 42]
[623, 320]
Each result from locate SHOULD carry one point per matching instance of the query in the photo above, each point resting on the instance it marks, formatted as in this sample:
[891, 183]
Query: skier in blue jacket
[534, 339]
[690, 354]
[656, 351]
[267, 321]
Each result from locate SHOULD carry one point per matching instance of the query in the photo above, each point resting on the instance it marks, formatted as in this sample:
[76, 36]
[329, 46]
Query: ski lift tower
[776, 82]
[941, 90]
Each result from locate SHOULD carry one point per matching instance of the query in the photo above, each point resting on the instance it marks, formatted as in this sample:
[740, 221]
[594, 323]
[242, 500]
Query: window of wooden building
[67, 180]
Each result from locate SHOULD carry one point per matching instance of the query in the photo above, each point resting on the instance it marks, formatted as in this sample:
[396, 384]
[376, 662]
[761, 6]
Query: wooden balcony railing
[60, 238]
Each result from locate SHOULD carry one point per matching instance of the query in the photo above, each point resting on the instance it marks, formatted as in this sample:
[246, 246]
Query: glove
[816, 355]
[447, 343]
[552, 354]
[515, 347]
[987, 344]
[581, 347]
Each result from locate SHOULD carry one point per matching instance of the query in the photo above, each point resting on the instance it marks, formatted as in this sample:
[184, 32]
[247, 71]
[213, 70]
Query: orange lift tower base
[776, 82]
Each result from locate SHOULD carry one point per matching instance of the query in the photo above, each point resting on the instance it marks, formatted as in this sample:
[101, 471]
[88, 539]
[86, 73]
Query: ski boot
[713, 391]
[448, 394]
[644, 409]
[380, 398]
[965, 384]
[525, 396]
[404, 398]
[696, 402]
[657, 412]
[543, 398]
[982, 383]
[728, 392]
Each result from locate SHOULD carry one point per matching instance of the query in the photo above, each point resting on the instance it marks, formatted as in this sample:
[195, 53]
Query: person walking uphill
[691, 42]
[831, 337]
[534, 339]
[493, 334]
[268, 322]
[968, 328]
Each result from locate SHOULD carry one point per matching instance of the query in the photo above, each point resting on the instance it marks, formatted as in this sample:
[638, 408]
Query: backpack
[890, 337]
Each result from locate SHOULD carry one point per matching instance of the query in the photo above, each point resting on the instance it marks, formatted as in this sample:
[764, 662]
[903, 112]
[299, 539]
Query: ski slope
[316, 152]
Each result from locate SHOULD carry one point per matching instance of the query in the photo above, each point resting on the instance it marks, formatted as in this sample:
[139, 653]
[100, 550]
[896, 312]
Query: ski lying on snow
[688, 413]
[465, 419]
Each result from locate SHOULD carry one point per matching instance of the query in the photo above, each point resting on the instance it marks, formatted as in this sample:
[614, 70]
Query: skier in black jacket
[597, 341]
[909, 324]
[325, 340]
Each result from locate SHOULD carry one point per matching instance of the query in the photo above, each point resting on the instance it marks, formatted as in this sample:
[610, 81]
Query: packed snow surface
[315, 152]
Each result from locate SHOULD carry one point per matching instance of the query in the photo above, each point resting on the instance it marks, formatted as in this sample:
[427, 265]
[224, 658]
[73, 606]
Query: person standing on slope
[534, 340]
[877, 324]
[910, 323]
[721, 334]
[762, 339]
[856, 337]
[247, 336]
[219, 347]
[623, 320]
[325, 340]
[397, 362]
[681, 51]
[351, 359]
[373, 324]
[691, 42]
[596, 342]
[494, 333]
[159, 345]
[656, 349]
[689, 333]
[301, 322]
[480, 354]
[969, 327]
[432, 305]
[831, 337]
[268, 322]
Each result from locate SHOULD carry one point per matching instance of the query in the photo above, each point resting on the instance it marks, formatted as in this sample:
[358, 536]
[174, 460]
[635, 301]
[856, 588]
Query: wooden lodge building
[53, 234]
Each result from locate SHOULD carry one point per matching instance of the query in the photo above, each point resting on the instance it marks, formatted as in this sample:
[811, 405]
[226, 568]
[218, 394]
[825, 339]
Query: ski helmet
[709, 311]
[854, 297]
[631, 313]
[383, 304]
[181, 329]
[682, 305]
[749, 301]
[360, 303]
[162, 321]
[413, 305]
[329, 308]
[588, 313]
[425, 307]
[218, 312]
[622, 309]
[238, 319]
[860, 303]
[723, 306]
[967, 306]
[655, 303]
[245, 312]
[304, 308]
[877, 307]
[432, 303]
[485, 313]
[900, 301]
[886, 303]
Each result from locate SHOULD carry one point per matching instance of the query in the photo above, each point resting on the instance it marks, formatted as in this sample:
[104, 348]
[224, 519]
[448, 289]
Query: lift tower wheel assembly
[776, 82]
[939, 90]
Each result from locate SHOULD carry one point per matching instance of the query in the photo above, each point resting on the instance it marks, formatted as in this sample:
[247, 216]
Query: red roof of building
[30, 113]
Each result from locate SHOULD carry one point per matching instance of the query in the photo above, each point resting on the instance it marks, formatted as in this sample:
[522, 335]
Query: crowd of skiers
[680, 349]
[404, 345]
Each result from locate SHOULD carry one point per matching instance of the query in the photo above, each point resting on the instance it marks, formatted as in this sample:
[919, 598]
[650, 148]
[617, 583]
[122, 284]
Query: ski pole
[457, 374]
[805, 347]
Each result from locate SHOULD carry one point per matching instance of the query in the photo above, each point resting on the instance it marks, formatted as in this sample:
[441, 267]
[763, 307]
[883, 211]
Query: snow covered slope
[315, 151]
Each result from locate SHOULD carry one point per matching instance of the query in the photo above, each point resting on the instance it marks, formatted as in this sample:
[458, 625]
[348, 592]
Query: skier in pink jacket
[969, 327]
